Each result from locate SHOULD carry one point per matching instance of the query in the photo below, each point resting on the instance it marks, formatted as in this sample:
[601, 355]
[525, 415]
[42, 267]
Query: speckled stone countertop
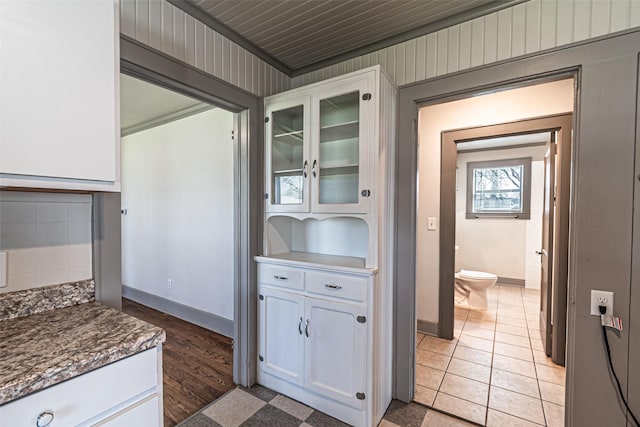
[44, 349]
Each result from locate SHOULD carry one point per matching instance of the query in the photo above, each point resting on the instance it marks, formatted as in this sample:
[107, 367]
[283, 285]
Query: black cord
[606, 344]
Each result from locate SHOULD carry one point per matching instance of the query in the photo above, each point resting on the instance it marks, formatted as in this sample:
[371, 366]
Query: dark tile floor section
[411, 415]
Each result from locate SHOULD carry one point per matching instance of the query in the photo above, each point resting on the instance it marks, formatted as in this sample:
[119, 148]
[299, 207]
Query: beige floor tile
[554, 414]
[465, 388]
[483, 315]
[424, 395]
[470, 370]
[235, 408]
[515, 382]
[438, 419]
[500, 419]
[438, 345]
[553, 393]
[516, 366]
[472, 355]
[541, 358]
[516, 314]
[474, 331]
[482, 324]
[419, 338]
[551, 374]
[514, 351]
[291, 407]
[533, 325]
[462, 408]
[513, 330]
[383, 423]
[516, 404]
[513, 339]
[428, 377]
[432, 359]
[475, 342]
[536, 342]
[505, 320]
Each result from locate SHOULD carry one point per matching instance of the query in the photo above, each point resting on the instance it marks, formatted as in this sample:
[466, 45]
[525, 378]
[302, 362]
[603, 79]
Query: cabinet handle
[313, 168]
[300, 326]
[44, 419]
[330, 286]
[304, 168]
[306, 328]
[280, 278]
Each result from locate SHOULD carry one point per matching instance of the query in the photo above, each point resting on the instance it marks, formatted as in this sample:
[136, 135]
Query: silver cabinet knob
[44, 419]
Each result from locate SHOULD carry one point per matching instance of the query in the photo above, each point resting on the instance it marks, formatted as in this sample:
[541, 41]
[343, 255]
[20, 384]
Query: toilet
[472, 286]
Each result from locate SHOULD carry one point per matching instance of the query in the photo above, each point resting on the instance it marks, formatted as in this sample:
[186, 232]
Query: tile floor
[494, 372]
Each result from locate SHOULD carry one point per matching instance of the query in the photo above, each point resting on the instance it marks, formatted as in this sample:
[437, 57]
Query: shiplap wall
[526, 28]
[166, 28]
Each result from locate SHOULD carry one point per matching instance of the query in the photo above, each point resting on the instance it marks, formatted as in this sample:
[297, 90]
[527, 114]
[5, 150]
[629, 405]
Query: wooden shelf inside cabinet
[339, 170]
[339, 131]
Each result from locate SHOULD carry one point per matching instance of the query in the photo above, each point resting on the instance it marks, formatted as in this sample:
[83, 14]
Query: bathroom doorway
[469, 362]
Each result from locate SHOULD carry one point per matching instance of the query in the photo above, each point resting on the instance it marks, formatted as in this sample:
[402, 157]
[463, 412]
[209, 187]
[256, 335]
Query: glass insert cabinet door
[287, 156]
[340, 167]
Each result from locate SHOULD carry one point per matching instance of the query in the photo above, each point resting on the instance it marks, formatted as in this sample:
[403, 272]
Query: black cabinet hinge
[266, 119]
[261, 297]
[361, 319]
[266, 196]
[360, 396]
[365, 193]
[261, 358]
[366, 96]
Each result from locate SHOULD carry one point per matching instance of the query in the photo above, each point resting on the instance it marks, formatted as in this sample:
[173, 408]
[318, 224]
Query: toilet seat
[470, 274]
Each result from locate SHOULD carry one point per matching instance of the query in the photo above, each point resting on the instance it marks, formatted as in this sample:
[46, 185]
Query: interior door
[546, 251]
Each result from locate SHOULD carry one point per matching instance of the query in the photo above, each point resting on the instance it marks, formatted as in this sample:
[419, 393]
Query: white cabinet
[318, 142]
[316, 341]
[119, 394]
[59, 110]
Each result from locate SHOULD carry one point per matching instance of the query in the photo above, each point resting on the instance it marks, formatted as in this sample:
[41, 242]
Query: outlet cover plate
[595, 303]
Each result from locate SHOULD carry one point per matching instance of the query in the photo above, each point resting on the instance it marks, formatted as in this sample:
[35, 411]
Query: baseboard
[429, 328]
[209, 321]
[511, 282]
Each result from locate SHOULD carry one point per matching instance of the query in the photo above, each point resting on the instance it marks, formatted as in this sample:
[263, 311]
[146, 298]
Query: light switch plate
[3, 269]
[431, 223]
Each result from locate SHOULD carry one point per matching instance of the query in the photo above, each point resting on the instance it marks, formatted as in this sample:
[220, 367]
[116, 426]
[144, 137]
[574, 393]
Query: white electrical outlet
[431, 223]
[599, 298]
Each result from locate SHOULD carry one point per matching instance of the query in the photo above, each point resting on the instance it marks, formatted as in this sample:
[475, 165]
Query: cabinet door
[287, 156]
[335, 351]
[343, 126]
[59, 62]
[281, 334]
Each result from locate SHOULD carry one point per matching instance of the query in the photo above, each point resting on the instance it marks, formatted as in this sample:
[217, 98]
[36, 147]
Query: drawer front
[336, 285]
[146, 413]
[281, 276]
[82, 398]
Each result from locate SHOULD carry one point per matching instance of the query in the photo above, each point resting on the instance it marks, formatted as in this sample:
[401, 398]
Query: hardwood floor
[197, 363]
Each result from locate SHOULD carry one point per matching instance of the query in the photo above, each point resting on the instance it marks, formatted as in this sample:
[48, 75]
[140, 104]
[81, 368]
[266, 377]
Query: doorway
[490, 357]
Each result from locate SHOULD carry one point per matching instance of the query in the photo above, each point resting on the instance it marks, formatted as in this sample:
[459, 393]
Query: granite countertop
[44, 349]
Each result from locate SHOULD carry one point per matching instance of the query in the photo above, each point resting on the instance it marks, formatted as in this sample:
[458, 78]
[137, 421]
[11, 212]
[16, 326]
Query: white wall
[526, 28]
[534, 101]
[161, 25]
[177, 187]
[47, 237]
[502, 246]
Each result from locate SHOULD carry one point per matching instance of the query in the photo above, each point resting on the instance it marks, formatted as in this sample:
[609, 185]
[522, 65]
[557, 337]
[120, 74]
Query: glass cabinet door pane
[339, 149]
[287, 156]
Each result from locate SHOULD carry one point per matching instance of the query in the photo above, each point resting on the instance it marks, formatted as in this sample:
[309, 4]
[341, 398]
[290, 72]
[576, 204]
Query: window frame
[526, 188]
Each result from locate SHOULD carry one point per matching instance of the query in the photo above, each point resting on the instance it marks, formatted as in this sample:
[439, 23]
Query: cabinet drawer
[281, 276]
[338, 286]
[84, 397]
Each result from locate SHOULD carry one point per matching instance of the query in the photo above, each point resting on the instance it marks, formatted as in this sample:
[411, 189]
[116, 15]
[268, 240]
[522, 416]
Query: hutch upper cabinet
[318, 149]
[59, 108]
[324, 280]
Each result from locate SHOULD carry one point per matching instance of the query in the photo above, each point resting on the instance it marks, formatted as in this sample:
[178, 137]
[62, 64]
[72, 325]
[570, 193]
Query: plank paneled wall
[164, 27]
[522, 29]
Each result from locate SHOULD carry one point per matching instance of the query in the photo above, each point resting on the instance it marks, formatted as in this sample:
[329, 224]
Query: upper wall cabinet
[59, 108]
[318, 143]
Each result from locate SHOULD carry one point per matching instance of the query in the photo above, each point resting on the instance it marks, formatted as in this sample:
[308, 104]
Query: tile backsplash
[47, 238]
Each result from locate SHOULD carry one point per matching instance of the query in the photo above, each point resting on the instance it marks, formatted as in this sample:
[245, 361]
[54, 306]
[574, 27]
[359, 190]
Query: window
[499, 188]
